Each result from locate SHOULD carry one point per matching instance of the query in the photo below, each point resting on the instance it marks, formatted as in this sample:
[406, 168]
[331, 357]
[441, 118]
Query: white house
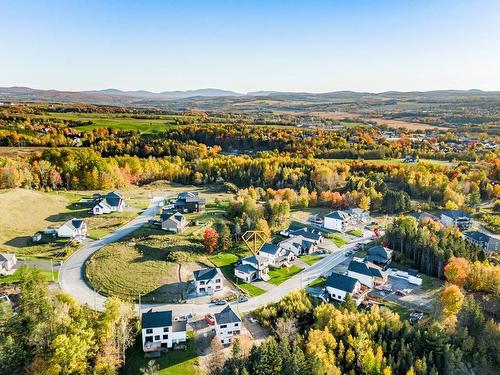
[159, 332]
[358, 215]
[458, 218]
[309, 234]
[227, 324]
[208, 280]
[298, 245]
[367, 274]
[252, 268]
[72, 228]
[111, 202]
[336, 220]
[339, 286]
[7, 263]
[276, 255]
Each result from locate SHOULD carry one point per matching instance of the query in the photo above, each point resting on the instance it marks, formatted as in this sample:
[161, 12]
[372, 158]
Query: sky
[313, 46]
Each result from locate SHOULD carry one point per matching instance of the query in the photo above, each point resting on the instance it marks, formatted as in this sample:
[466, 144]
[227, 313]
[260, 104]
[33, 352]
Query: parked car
[243, 299]
[416, 316]
[210, 319]
[221, 302]
[214, 300]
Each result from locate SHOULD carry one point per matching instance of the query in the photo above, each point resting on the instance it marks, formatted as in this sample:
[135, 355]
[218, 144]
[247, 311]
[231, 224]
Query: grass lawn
[223, 259]
[251, 290]
[310, 259]
[402, 311]
[15, 276]
[431, 283]
[361, 253]
[356, 232]
[175, 362]
[337, 239]
[318, 283]
[280, 275]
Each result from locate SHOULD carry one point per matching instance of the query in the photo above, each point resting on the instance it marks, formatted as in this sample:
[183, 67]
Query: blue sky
[314, 46]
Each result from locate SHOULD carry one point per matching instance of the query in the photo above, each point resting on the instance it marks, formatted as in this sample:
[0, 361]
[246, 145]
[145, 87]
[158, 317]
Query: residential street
[72, 281]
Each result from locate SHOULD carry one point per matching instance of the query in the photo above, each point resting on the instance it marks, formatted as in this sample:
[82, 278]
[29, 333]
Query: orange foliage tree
[456, 271]
[210, 238]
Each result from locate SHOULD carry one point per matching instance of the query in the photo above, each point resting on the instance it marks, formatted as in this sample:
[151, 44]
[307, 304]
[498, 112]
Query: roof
[478, 236]
[255, 259]
[189, 196]
[341, 282]
[246, 268]
[155, 319]
[455, 214]
[339, 215]
[227, 315]
[176, 217]
[270, 248]
[307, 233]
[179, 326]
[356, 211]
[74, 224]
[205, 274]
[6, 257]
[380, 251]
[367, 269]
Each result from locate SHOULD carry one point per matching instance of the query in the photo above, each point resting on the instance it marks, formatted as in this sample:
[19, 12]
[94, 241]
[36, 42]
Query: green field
[356, 232]
[337, 239]
[280, 275]
[117, 121]
[251, 290]
[320, 282]
[174, 362]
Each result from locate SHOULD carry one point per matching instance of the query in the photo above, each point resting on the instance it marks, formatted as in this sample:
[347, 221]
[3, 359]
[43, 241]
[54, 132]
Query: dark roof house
[227, 316]
[341, 282]
[379, 255]
[205, 274]
[156, 319]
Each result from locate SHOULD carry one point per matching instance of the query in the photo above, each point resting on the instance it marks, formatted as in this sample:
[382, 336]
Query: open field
[401, 161]
[13, 152]
[51, 210]
[174, 362]
[117, 121]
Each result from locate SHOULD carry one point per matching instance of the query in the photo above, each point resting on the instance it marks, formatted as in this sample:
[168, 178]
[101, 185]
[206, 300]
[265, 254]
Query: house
[189, 202]
[339, 286]
[7, 263]
[227, 324]
[252, 268]
[159, 332]
[367, 274]
[111, 202]
[276, 255]
[174, 222]
[298, 245]
[458, 218]
[358, 215]
[336, 220]
[208, 280]
[72, 228]
[486, 242]
[309, 234]
[379, 255]
[423, 217]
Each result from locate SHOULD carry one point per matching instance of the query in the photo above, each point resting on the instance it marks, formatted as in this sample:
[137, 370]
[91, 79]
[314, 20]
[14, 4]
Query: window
[149, 339]
[229, 332]
[165, 329]
[202, 283]
[236, 324]
[217, 280]
[236, 332]
[165, 337]
[149, 330]
[157, 338]
[223, 326]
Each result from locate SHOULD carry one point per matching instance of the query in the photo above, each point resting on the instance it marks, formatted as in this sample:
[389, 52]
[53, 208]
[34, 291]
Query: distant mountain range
[141, 97]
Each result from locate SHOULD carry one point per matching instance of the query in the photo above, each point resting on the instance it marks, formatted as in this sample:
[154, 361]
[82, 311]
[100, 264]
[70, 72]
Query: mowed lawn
[337, 239]
[280, 275]
[174, 362]
[118, 121]
[48, 275]
[310, 258]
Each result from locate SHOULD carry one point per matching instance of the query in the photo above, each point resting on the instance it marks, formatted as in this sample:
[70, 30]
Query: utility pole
[52, 269]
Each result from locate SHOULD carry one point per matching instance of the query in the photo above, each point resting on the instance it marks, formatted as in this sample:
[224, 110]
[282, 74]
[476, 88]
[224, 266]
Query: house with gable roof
[208, 280]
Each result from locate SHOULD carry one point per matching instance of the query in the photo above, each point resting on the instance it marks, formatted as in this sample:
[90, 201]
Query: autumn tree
[452, 299]
[210, 239]
[456, 271]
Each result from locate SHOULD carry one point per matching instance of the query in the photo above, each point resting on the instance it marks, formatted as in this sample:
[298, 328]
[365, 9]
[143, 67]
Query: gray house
[175, 222]
[486, 242]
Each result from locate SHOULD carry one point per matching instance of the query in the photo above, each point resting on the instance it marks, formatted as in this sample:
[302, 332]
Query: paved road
[72, 271]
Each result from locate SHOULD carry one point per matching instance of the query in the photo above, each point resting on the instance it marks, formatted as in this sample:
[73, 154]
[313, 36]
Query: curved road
[71, 274]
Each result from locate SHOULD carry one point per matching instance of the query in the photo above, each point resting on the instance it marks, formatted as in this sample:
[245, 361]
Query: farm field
[117, 121]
